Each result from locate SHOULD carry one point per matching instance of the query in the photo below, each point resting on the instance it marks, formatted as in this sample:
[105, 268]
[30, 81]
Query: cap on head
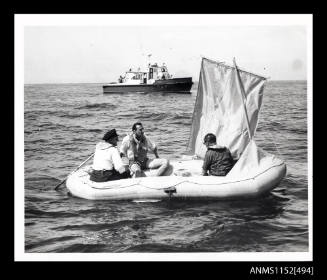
[110, 134]
[210, 138]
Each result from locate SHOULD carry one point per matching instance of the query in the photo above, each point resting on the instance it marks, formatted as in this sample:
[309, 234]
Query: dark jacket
[218, 161]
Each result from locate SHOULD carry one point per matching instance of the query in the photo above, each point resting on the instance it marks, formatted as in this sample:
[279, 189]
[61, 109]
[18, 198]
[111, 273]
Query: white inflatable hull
[180, 184]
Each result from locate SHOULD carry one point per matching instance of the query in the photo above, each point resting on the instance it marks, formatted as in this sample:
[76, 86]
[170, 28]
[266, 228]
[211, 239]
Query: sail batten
[219, 107]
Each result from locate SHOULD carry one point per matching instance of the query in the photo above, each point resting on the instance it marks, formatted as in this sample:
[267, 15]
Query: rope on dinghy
[189, 181]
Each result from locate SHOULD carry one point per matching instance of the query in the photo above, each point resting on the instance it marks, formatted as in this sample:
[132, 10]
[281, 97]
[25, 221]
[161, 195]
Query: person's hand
[204, 173]
[125, 161]
[155, 152]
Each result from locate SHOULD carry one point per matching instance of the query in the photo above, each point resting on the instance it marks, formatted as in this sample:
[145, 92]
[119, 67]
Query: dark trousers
[108, 175]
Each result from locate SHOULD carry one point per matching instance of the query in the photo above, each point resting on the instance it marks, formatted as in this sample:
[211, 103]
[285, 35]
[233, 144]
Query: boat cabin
[153, 73]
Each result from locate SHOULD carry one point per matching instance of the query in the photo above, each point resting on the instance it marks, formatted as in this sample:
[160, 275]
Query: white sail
[219, 107]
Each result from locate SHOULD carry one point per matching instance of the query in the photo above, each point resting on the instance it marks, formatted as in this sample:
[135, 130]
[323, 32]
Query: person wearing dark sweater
[218, 160]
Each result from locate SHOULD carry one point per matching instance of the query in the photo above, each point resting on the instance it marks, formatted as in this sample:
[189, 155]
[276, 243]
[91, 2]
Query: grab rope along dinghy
[227, 104]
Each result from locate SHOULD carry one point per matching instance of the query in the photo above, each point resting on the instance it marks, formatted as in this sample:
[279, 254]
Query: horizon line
[58, 83]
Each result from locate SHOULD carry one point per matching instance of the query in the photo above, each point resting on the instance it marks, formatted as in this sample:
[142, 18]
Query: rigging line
[277, 150]
[272, 137]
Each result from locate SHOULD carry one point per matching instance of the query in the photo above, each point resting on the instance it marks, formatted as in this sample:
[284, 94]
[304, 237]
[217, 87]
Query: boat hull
[176, 85]
[179, 184]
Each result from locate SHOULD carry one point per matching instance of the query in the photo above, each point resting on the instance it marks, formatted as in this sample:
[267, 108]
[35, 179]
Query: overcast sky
[99, 54]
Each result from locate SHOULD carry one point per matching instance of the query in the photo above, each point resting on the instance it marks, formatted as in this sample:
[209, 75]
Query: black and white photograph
[160, 137]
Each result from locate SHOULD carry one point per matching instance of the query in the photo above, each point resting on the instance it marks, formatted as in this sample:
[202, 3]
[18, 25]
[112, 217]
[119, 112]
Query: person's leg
[117, 176]
[160, 163]
[125, 175]
[135, 170]
[100, 176]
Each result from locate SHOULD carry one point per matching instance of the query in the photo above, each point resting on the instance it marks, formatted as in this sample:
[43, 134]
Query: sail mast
[190, 140]
[242, 92]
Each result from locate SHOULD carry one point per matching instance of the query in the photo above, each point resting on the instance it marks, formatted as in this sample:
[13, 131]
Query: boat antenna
[242, 92]
[148, 62]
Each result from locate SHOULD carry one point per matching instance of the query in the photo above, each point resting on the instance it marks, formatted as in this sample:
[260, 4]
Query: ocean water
[62, 124]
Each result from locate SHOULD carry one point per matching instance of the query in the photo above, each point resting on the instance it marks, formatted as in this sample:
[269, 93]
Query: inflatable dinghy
[227, 104]
[180, 184]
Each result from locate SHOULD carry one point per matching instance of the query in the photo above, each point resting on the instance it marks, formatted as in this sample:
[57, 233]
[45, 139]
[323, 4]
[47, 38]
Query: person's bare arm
[155, 151]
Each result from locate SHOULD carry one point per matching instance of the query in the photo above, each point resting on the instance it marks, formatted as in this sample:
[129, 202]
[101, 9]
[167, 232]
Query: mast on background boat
[148, 60]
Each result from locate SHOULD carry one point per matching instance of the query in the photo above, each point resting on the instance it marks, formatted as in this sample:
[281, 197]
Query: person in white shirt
[107, 163]
[135, 147]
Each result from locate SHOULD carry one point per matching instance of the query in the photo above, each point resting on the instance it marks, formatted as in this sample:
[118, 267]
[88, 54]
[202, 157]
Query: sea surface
[62, 124]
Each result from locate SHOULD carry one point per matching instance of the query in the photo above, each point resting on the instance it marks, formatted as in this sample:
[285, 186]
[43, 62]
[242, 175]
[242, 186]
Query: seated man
[135, 147]
[107, 163]
[218, 160]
